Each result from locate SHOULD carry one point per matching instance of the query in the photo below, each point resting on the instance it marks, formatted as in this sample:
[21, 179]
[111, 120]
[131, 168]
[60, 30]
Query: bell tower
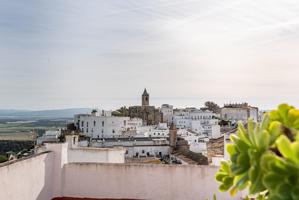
[145, 98]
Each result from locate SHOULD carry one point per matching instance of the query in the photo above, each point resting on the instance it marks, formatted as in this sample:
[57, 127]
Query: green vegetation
[264, 157]
[3, 158]
[9, 126]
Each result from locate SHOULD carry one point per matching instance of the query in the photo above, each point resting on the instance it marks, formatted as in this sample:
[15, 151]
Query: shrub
[264, 157]
[3, 158]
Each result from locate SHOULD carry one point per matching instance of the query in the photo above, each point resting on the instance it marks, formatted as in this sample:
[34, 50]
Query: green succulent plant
[264, 157]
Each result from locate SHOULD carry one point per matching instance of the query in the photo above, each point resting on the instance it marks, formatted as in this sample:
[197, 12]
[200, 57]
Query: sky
[103, 53]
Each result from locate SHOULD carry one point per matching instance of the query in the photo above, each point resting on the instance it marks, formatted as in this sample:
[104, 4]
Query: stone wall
[149, 114]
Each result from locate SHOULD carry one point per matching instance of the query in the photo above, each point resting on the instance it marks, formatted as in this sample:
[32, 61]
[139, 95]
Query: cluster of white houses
[196, 126]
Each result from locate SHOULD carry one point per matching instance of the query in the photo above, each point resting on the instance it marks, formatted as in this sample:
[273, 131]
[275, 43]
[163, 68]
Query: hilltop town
[161, 135]
[141, 137]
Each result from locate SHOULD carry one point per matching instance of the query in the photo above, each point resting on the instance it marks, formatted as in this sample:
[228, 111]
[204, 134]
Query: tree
[123, 111]
[264, 157]
[212, 106]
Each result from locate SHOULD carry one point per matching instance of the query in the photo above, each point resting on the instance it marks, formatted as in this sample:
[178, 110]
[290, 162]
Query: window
[143, 151]
[87, 124]
[103, 123]
[94, 123]
[82, 123]
[113, 131]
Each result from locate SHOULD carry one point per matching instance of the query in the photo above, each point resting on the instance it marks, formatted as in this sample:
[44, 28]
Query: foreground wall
[138, 181]
[48, 175]
[27, 179]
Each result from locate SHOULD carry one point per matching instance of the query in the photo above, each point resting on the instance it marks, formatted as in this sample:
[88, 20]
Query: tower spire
[145, 98]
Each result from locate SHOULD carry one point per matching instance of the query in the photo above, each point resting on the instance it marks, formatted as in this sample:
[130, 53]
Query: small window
[113, 131]
[94, 123]
[103, 123]
[143, 151]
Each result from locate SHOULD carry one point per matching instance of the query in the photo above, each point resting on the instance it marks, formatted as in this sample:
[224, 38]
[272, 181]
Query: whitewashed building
[199, 121]
[49, 136]
[136, 147]
[239, 112]
[167, 112]
[100, 125]
[197, 142]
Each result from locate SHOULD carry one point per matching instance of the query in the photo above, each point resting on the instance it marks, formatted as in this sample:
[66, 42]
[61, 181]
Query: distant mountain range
[43, 114]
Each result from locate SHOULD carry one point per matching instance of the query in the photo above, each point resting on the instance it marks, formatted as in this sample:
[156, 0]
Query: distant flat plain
[23, 129]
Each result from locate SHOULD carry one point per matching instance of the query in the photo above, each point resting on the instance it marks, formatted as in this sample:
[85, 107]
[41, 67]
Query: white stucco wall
[144, 150]
[138, 181]
[29, 179]
[96, 155]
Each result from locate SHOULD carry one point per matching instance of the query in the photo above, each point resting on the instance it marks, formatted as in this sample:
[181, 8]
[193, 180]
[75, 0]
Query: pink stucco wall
[27, 179]
[141, 181]
[48, 175]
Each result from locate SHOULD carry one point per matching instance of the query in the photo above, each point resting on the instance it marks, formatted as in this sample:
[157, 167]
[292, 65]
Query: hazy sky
[102, 53]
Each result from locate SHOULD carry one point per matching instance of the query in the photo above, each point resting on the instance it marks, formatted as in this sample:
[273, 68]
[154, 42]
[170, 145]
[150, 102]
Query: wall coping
[23, 159]
[142, 165]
